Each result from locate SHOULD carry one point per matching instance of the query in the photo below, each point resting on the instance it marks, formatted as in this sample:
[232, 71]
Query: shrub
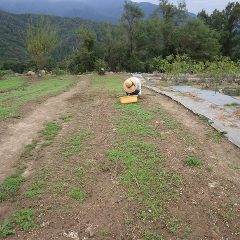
[100, 66]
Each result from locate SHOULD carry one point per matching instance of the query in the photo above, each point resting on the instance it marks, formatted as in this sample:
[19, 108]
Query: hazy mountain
[97, 10]
[13, 33]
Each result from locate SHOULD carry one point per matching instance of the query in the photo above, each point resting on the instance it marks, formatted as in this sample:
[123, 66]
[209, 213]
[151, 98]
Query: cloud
[196, 6]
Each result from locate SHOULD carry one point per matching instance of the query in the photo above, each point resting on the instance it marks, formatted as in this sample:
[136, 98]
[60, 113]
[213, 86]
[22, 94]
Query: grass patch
[143, 173]
[141, 129]
[10, 186]
[129, 221]
[167, 120]
[50, 132]
[72, 145]
[104, 232]
[11, 84]
[76, 194]
[135, 111]
[6, 229]
[24, 219]
[11, 102]
[28, 151]
[112, 84]
[66, 117]
[192, 161]
[37, 186]
[232, 104]
[152, 236]
[215, 136]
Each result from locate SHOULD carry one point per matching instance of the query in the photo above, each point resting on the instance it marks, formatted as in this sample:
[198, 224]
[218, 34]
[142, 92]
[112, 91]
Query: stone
[30, 73]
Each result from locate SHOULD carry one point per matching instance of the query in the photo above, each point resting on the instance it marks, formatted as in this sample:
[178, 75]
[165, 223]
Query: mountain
[13, 30]
[96, 10]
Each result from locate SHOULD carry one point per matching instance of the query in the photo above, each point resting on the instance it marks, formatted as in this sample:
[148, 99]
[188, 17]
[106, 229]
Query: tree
[115, 44]
[227, 24]
[173, 17]
[40, 39]
[198, 40]
[131, 17]
[86, 55]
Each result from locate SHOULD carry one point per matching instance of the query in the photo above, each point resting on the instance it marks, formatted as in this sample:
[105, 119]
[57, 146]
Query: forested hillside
[13, 33]
[136, 43]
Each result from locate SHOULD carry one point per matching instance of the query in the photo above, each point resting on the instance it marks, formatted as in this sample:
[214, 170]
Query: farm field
[78, 165]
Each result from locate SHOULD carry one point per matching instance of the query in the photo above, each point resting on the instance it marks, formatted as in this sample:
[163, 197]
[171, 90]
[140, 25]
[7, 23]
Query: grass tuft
[76, 194]
[10, 186]
[192, 161]
[6, 229]
[73, 144]
[152, 236]
[24, 219]
[50, 132]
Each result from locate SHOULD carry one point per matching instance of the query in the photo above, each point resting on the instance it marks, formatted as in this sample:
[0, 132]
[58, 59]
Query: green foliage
[192, 161]
[59, 72]
[72, 145]
[104, 232]
[10, 186]
[226, 23]
[86, 56]
[6, 229]
[50, 132]
[216, 136]
[38, 184]
[152, 236]
[28, 151]
[198, 40]
[76, 194]
[24, 219]
[100, 66]
[40, 39]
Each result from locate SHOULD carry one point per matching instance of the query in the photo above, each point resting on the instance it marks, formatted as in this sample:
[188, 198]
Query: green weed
[37, 186]
[215, 136]
[152, 236]
[129, 221]
[73, 144]
[141, 129]
[10, 186]
[76, 194]
[28, 151]
[104, 232]
[232, 104]
[135, 112]
[50, 132]
[66, 117]
[24, 219]
[143, 173]
[192, 161]
[168, 121]
[6, 229]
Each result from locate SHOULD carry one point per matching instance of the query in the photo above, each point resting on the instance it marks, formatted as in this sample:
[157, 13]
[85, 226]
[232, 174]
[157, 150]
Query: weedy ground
[101, 170]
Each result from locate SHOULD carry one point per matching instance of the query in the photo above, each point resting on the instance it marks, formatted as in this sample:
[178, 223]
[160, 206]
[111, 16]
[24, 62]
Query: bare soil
[208, 202]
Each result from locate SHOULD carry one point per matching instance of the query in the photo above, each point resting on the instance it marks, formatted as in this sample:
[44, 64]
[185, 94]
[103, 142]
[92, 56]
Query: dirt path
[18, 135]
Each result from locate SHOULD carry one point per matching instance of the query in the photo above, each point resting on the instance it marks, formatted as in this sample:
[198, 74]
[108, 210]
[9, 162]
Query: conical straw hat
[130, 85]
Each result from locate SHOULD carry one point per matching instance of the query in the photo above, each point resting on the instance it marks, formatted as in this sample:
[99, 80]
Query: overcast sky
[196, 6]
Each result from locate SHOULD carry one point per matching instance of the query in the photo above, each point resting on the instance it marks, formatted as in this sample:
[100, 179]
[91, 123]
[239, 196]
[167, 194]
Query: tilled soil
[208, 203]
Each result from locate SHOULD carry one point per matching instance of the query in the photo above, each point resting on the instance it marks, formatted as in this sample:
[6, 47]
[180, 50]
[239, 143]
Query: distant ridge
[96, 10]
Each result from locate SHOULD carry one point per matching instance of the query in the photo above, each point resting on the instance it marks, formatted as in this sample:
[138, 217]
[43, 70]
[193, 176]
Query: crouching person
[132, 86]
